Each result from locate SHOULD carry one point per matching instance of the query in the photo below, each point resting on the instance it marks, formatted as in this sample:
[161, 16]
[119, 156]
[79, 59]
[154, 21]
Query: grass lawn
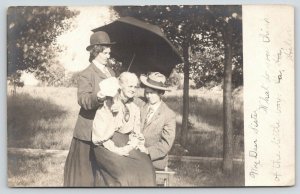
[47, 171]
[35, 171]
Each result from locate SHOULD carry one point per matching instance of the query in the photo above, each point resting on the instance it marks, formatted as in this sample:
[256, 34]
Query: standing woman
[80, 167]
[158, 120]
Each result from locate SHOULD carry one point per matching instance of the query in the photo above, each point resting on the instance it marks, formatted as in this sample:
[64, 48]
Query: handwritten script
[266, 117]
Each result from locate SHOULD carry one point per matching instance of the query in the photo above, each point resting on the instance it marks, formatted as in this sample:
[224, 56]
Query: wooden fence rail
[63, 153]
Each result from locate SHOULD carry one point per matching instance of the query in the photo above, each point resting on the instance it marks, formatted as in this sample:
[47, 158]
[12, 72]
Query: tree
[55, 74]
[15, 81]
[194, 30]
[72, 79]
[31, 37]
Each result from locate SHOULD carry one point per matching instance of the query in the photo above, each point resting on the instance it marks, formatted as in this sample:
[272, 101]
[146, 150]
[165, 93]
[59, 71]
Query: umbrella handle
[131, 61]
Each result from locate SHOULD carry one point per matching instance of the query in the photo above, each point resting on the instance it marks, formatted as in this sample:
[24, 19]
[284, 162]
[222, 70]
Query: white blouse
[106, 122]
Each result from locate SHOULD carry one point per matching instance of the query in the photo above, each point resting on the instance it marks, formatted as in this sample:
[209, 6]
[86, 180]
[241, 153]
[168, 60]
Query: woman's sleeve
[86, 95]
[103, 125]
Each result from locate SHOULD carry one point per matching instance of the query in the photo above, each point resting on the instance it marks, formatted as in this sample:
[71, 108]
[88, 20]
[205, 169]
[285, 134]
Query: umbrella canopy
[141, 47]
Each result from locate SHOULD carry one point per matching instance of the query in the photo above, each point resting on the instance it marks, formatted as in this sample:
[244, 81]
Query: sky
[75, 41]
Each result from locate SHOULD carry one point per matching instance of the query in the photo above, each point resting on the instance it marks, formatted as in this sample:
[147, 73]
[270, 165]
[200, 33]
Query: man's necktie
[148, 116]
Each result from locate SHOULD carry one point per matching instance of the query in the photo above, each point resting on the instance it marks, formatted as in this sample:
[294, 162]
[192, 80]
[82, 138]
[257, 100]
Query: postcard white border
[269, 119]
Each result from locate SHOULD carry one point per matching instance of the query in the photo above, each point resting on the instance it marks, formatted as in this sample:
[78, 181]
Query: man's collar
[128, 101]
[155, 106]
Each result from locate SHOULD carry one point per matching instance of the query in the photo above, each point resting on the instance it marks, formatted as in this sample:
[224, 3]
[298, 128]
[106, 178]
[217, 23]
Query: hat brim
[143, 79]
[105, 44]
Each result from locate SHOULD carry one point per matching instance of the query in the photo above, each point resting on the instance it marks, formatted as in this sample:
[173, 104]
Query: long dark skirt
[80, 168]
[135, 170]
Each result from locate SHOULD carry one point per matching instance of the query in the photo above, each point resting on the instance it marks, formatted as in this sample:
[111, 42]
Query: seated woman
[116, 133]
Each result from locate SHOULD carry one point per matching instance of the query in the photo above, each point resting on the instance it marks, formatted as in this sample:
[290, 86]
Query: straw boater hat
[99, 38]
[155, 80]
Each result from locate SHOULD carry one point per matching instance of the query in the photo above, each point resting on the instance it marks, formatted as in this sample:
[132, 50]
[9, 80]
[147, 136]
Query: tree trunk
[227, 91]
[14, 92]
[185, 112]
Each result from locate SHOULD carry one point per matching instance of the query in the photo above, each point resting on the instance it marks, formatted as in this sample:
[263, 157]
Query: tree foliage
[55, 74]
[199, 27]
[31, 38]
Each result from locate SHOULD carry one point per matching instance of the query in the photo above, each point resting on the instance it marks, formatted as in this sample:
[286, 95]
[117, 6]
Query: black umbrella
[140, 46]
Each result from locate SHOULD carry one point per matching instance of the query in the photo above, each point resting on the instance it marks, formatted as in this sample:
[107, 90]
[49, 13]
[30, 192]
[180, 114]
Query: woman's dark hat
[99, 38]
[155, 80]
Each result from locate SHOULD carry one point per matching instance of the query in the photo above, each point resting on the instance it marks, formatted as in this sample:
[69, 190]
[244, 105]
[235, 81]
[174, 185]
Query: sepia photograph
[125, 96]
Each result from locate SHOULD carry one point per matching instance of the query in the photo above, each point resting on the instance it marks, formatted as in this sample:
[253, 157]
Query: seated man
[158, 121]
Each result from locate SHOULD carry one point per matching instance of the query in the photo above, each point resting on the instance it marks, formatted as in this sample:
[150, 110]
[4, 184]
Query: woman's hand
[142, 148]
[133, 142]
[115, 108]
[123, 151]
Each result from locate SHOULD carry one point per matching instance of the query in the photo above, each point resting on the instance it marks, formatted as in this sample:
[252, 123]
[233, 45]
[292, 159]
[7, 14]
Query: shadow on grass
[209, 174]
[206, 144]
[208, 111]
[27, 116]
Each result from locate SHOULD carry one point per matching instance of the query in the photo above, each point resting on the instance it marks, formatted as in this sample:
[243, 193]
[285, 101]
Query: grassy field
[47, 171]
[45, 118]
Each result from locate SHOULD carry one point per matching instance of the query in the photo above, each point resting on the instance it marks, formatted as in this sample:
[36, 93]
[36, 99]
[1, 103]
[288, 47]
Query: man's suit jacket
[159, 134]
[88, 87]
